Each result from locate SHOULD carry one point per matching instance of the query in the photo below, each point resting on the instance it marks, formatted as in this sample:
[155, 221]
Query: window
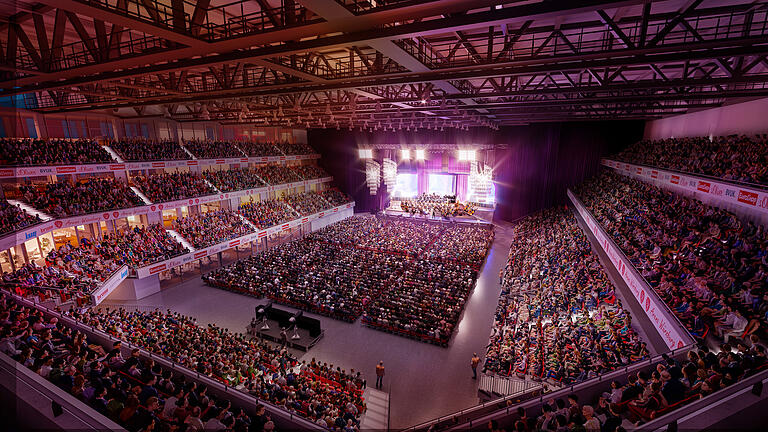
[31, 129]
[73, 129]
[65, 128]
[144, 130]
[406, 185]
[2, 129]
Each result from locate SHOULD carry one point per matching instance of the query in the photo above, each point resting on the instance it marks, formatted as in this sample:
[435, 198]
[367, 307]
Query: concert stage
[308, 329]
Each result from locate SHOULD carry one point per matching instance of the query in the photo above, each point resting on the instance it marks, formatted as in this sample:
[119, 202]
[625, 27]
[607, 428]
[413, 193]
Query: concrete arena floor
[424, 381]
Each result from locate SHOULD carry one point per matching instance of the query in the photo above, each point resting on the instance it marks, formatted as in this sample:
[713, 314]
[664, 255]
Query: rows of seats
[210, 228]
[172, 186]
[307, 203]
[233, 179]
[735, 157]
[14, 218]
[277, 174]
[707, 264]
[258, 149]
[51, 151]
[467, 244]
[335, 197]
[295, 148]
[309, 172]
[141, 149]
[267, 213]
[558, 317]
[139, 246]
[88, 195]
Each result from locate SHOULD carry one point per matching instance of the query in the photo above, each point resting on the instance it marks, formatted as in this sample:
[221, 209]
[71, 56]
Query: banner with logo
[230, 244]
[109, 285]
[719, 191]
[666, 324]
[37, 171]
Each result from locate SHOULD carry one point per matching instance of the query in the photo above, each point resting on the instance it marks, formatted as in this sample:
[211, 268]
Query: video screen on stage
[407, 185]
[441, 184]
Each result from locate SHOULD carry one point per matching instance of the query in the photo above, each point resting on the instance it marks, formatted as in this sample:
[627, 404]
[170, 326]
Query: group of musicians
[437, 206]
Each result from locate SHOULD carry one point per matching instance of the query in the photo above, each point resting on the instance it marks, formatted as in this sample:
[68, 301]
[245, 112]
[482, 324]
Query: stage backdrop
[533, 172]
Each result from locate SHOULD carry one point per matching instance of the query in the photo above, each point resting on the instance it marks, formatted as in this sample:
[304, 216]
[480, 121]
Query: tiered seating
[277, 174]
[52, 151]
[172, 186]
[307, 203]
[558, 317]
[139, 149]
[335, 197]
[136, 394]
[91, 195]
[206, 229]
[267, 213]
[708, 265]
[139, 246]
[735, 157]
[295, 148]
[257, 149]
[233, 179]
[309, 172]
[213, 149]
[312, 276]
[13, 218]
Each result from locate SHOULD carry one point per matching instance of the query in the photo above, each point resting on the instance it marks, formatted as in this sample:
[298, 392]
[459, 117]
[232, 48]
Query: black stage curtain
[533, 172]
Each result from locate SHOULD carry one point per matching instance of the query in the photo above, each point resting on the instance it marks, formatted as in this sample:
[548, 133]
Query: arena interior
[375, 215]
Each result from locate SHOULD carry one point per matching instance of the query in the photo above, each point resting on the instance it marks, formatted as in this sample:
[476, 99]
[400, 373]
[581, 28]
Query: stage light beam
[365, 153]
[420, 155]
[405, 154]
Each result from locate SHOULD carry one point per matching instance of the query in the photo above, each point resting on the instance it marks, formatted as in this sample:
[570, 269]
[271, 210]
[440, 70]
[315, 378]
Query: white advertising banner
[721, 193]
[662, 319]
[37, 171]
[229, 244]
[109, 285]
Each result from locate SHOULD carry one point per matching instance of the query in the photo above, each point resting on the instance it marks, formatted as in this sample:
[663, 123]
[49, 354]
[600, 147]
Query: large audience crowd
[172, 186]
[307, 203]
[51, 151]
[141, 149]
[258, 149]
[213, 149]
[233, 179]
[335, 197]
[309, 172]
[206, 229]
[707, 264]
[139, 246]
[295, 148]
[14, 218]
[558, 317]
[267, 213]
[371, 265]
[277, 174]
[466, 244]
[84, 196]
[735, 157]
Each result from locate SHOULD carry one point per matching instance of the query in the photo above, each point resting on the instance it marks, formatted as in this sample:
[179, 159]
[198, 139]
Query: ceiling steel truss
[379, 65]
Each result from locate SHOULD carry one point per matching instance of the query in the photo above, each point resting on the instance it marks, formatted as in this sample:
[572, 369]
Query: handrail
[693, 174]
[633, 270]
[92, 332]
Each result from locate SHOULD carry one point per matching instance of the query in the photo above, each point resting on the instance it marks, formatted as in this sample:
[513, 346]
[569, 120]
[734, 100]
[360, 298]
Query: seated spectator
[89, 195]
[468, 244]
[267, 213]
[258, 149]
[139, 246]
[172, 186]
[213, 149]
[51, 151]
[14, 218]
[206, 229]
[335, 197]
[141, 149]
[233, 179]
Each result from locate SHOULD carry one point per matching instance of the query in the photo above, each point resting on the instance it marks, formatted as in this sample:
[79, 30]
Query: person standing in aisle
[475, 361]
[379, 374]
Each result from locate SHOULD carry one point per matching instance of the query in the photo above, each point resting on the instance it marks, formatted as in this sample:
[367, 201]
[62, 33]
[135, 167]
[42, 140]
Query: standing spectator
[475, 361]
[379, 374]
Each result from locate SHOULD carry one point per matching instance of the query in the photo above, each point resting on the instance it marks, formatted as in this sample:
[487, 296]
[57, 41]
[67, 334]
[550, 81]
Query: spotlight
[405, 154]
[467, 155]
[420, 155]
[365, 153]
